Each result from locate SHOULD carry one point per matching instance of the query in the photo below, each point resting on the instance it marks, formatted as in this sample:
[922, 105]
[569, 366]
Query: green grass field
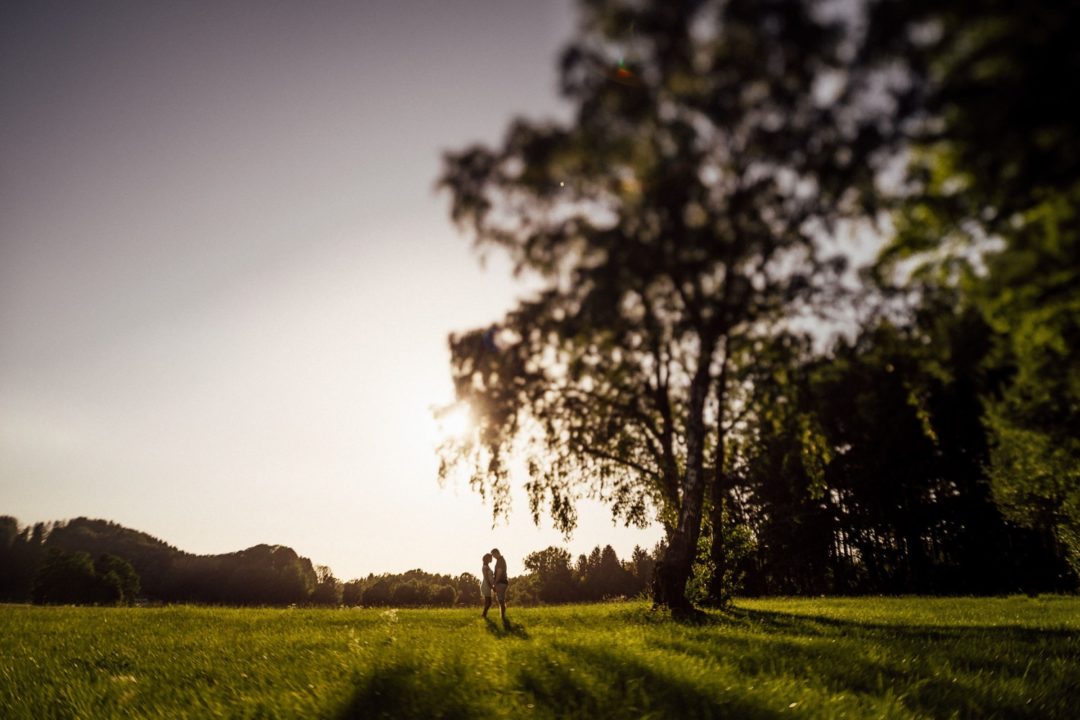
[908, 657]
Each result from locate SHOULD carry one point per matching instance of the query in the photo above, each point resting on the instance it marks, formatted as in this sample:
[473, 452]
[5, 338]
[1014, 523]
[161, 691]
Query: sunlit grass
[912, 657]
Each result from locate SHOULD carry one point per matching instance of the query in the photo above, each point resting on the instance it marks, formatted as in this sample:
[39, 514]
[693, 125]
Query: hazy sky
[226, 280]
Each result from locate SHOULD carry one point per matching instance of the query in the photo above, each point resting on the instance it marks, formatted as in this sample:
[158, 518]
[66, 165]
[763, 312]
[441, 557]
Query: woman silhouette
[486, 586]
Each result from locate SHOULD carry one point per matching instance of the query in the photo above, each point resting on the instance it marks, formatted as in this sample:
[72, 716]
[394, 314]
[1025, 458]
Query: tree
[409, 593]
[1031, 295]
[607, 578]
[987, 101]
[678, 215]
[468, 589]
[555, 579]
[378, 594]
[989, 209]
[443, 596]
[328, 590]
[21, 554]
[641, 566]
[66, 578]
[73, 577]
[775, 471]
[118, 579]
[896, 499]
[352, 593]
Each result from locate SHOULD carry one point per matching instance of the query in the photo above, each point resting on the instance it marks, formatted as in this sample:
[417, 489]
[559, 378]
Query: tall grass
[909, 657]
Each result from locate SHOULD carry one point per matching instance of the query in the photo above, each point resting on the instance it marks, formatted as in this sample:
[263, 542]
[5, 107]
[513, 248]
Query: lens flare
[624, 75]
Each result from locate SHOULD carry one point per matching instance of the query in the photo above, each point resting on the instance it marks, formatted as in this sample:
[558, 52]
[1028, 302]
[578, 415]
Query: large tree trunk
[671, 575]
[673, 570]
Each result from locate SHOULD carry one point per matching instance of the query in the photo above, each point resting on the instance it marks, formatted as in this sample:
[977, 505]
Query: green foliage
[379, 593]
[66, 578]
[74, 578]
[737, 547]
[600, 575]
[776, 479]
[698, 587]
[329, 591]
[151, 558]
[555, 579]
[893, 658]
[989, 210]
[889, 491]
[410, 593]
[988, 92]
[119, 577]
[1031, 296]
[21, 553]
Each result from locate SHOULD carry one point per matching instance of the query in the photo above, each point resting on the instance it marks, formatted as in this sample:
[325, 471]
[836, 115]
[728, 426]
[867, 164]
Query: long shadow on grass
[586, 681]
[407, 688]
[784, 623]
[942, 670]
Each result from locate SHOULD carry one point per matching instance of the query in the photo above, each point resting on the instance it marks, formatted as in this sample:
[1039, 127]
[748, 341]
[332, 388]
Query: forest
[97, 562]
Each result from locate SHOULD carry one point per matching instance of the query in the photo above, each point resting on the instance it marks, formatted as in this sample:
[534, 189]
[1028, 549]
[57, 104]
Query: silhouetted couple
[495, 581]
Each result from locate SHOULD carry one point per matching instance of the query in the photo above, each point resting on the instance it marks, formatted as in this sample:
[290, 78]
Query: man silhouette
[501, 581]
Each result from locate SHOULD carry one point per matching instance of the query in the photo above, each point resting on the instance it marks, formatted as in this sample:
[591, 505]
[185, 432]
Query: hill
[259, 575]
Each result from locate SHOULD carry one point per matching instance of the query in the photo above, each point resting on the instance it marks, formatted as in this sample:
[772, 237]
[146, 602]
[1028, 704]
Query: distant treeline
[551, 577]
[85, 561]
[41, 563]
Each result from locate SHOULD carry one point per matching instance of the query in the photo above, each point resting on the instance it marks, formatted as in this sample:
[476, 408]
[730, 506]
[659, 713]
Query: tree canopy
[988, 216]
[679, 215]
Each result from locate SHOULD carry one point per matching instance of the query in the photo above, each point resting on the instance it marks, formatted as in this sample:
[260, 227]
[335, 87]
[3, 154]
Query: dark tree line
[75, 578]
[553, 577]
[414, 588]
[52, 562]
[903, 503]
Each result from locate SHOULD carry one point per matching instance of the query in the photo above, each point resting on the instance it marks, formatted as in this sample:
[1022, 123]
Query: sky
[227, 280]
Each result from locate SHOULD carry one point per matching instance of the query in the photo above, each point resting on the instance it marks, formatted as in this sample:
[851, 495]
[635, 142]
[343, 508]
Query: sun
[454, 423]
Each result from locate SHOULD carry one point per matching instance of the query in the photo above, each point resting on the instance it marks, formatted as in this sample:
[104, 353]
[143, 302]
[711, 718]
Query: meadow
[797, 658]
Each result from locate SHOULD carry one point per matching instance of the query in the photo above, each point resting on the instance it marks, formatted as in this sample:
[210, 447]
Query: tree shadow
[598, 683]
[506, 628]
[405, 689]
[773, 622]
[940, 670]
[929, 670]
